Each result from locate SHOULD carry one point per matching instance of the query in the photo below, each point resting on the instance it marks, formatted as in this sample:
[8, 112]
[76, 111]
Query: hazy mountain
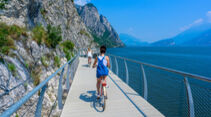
[203, 40]
[188, 37]
[99, 26]
[129, 40]
[165, 42]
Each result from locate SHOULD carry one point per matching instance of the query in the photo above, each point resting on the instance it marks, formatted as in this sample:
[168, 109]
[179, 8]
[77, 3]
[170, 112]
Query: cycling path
[122, 100]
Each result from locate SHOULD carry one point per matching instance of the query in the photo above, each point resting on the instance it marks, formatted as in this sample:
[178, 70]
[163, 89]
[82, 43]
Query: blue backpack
[102, 70]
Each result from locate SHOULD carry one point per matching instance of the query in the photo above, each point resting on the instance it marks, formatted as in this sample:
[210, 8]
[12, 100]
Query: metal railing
[155, 93]
[44, 85]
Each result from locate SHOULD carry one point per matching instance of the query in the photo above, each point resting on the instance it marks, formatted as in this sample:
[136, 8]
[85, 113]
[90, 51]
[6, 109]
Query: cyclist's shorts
[98, 76]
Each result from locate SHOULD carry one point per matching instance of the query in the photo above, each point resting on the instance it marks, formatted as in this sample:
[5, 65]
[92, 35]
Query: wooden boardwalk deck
[122, 100]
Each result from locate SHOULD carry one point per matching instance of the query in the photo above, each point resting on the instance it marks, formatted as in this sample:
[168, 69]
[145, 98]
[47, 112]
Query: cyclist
[89, 53]
[102, 68]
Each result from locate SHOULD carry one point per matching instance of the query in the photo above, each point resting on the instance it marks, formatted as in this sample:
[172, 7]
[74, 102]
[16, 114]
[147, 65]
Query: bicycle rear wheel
[104, 98]
[104, 104]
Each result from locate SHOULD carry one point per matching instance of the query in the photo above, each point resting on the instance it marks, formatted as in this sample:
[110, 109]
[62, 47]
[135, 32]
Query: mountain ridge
[98, 25]
[185, 38]
[129, 40]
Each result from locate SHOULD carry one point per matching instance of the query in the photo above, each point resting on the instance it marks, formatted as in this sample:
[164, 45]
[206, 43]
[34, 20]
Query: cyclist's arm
[95, 62]
[108, 61]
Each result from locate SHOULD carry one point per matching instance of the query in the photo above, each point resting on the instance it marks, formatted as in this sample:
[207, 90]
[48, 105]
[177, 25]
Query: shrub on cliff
[3, 4]
[44, 61]
[68, 47]
[39, 34]
[52, 37]
[84, 32]
[7, 36]
[57, 61]
[35, 74]
[12, 69]
[15, 32]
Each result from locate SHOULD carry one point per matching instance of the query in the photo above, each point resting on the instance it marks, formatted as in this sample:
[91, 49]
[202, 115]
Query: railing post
[68, 79]
[110, 63]
[189, 98]
[145, 82]
[39, 103]
[60, 90]
[117, 72]
[126, 70]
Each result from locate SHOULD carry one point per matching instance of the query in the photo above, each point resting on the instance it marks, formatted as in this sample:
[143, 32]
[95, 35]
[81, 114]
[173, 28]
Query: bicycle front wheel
[104, 104]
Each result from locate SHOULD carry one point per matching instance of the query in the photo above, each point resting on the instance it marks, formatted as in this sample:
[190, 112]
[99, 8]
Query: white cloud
[196, 22]
[81, 2]
[209, 16]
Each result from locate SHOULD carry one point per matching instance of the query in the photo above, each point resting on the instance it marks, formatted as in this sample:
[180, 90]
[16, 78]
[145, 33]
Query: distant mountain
[99, 26]
[129, 40]
[165, 42]
[203, 40]
[188, 37]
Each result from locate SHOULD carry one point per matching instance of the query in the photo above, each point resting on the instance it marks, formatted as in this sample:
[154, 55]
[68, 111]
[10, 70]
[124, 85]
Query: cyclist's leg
[104, 88]
[89, 60]
[98, 85]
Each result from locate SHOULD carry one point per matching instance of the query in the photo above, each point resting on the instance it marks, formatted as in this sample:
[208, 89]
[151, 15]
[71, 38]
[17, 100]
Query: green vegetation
[90, 5]
[104, 40]
[44, 61]
[7, 36]
[16, 115]
[16, 32]
[1, 60]
[39, 34]
[68, 47]
[72, 1]
[43, 11]
[35, 74]
[25, 85]
[84, 32]
[68, 24]
[27, 65]
[3, 3]
[54, 36]
[12, 68]
[68, 44]
[57, 61]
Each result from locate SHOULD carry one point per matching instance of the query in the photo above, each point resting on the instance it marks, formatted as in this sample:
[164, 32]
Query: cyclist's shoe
[106, 97]
[98, 96]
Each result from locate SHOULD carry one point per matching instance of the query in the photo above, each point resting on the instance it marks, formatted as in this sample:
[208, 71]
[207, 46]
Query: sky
[153, 20]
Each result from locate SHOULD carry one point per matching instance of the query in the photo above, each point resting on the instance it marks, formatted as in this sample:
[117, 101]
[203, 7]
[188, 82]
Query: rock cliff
[98, 26]
[36, 38]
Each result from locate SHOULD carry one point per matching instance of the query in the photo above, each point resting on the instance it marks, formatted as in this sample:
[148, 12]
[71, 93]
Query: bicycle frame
[103, 93]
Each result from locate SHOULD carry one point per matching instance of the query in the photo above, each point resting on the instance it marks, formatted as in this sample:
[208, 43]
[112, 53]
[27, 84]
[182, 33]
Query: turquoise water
[190, 59]
[166, 91]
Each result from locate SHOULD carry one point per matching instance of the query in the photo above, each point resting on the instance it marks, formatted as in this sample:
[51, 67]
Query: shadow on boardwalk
[86, 65]
[90, 97]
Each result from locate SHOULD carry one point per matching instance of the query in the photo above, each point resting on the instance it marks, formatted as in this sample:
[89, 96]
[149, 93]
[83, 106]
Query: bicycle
[103, 94]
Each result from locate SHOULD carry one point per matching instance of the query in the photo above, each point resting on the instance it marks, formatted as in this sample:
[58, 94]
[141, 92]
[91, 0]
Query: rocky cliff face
[99, 26]
[36, 38]
[29, 13]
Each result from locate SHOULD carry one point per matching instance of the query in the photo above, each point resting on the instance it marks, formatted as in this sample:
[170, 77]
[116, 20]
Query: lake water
[167, 91]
